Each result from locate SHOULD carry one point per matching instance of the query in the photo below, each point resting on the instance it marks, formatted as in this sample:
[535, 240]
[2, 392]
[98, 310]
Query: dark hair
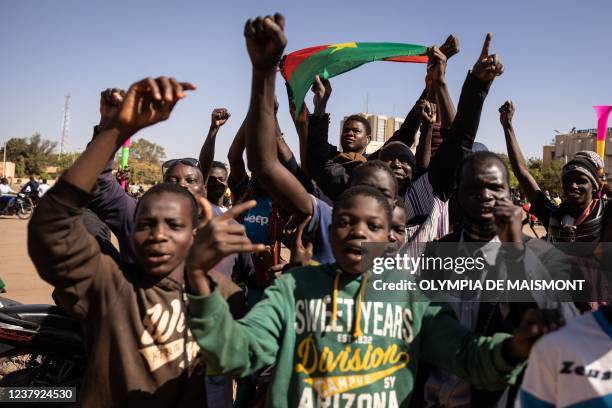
[361, 120]
[399, 203]
[173, 188]
[365, 191]
[219, 165]
[376, 165]
[481, 157]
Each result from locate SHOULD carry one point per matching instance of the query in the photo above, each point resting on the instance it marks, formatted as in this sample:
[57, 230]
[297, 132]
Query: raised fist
[450, 46]
[218, 117]
[110, 100]
[427, 111]
[506, 113]
[265, 40]
[436, 68]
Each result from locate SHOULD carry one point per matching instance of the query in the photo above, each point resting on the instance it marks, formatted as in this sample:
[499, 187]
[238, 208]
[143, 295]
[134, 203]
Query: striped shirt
[427, 216]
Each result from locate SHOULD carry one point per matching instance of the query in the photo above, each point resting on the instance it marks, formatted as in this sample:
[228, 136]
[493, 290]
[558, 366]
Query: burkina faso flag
[300, 67]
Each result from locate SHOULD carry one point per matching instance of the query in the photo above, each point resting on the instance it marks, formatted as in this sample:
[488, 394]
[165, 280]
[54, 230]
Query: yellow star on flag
[338, 47]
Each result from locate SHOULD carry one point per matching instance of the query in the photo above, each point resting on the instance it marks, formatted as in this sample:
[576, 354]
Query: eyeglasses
[188, 161]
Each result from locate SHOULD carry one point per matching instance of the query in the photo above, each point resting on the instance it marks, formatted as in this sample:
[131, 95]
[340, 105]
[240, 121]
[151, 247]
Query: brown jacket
[136, 337]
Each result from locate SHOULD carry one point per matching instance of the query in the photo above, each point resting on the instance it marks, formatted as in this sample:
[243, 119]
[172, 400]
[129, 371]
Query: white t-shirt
[571, 367]
[5, 189]
[42, 189]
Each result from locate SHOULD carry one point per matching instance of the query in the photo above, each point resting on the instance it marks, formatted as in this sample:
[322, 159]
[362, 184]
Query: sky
[557, 57]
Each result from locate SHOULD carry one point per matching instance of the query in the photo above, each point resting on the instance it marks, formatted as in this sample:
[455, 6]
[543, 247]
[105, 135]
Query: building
[383, 128]
[567, 145]
[7, 170]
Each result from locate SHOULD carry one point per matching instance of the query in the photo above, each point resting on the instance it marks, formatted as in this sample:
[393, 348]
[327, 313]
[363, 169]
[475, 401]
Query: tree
[144, 172]
[547, 179]
[551, 177]
[66, 161]
[513, 180]
[31, 155]
[146, 151]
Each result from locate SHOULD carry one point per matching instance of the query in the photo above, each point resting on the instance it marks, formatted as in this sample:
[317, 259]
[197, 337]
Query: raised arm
[207, 154]
[301, 127]
[465, 126]
[517, 161]
[235, 158]
[265, 42]
[446, 108]
[319, 150]
[64, 254]
[427, 111]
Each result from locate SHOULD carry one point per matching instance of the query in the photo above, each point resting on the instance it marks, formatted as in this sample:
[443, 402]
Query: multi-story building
[567, 145]
[383, 128]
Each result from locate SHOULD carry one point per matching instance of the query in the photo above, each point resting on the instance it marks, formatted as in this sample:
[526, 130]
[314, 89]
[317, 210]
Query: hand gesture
[265, 40]
[302, 251]
[534, 325]
[218, 117]
[110, 100]
[302, 119]
[216, 238]
[436, 68]
[427, 111]
[506, 113]
[450, 46]
[322, 90]
[488, 66]
[148, 102]
[508, 220]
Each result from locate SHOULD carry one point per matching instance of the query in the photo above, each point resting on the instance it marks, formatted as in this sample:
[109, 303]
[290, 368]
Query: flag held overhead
[300, 67]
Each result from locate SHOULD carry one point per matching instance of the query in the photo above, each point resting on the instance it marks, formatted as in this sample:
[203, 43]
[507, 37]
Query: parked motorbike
[40, 346]
[22, 206]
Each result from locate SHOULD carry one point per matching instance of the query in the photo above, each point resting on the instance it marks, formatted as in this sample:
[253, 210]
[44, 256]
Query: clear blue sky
[557, 55]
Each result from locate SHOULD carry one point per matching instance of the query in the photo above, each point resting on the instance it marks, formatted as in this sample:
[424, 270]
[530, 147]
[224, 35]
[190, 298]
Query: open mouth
[354, 253]
[486, 212]
[157, 258]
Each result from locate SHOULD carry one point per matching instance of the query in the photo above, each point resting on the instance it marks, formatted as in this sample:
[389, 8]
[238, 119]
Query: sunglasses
[188, 161]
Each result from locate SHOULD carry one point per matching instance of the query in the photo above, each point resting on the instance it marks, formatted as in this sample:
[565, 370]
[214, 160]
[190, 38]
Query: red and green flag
[300, 67]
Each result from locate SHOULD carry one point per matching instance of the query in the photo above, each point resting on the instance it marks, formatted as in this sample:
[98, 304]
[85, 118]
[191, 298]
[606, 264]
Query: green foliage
[65, 161]
[551, 177]
[144, 172]
[20, 168]
[548, 179]
[31, 155]
[513, 181]
[144, 162]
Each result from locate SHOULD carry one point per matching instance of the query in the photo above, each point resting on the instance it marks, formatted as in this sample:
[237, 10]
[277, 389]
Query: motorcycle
[40, 346]
[22, 206]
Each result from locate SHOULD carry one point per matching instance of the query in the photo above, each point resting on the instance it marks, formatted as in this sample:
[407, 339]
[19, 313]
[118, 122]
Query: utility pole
[4, 161]
[65, 125]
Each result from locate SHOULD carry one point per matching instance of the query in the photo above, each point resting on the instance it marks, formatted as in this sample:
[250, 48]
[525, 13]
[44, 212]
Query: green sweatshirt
[337, 343]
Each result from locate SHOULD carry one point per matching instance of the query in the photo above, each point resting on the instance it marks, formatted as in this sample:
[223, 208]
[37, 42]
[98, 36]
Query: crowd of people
[197, 307]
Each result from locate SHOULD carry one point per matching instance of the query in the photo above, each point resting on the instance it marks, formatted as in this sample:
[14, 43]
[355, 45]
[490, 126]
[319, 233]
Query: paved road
[16, 269]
